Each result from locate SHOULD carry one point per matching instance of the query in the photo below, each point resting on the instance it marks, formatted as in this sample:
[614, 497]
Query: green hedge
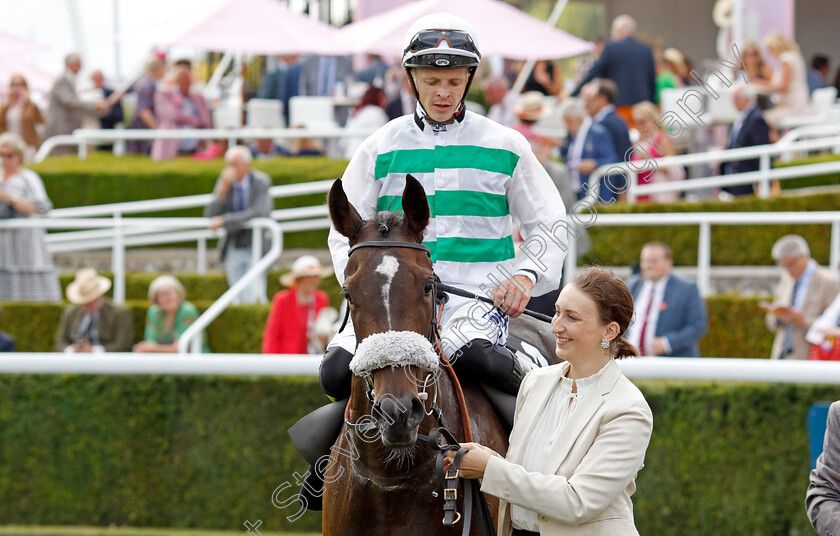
[736, 327]
[208, 453]
[732, 245]
[807, 182]
[103, 178]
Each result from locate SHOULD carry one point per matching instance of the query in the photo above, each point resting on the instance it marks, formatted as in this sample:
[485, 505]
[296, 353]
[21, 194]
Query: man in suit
[66, 110]
[822, 500]
[588, 147]
[93, 323]
[749, 130]
[629, 63]
[240, 195]
[670, 316]
[804, 291]
[282, 83]
[599, 98]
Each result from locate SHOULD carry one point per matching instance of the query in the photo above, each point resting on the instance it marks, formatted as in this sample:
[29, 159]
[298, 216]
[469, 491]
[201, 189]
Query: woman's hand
[474, 461]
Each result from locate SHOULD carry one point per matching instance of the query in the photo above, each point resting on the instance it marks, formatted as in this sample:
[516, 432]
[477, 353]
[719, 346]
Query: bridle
[440, 438]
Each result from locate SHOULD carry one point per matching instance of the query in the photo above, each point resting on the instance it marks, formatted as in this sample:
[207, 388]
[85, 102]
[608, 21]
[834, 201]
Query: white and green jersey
[477, 174]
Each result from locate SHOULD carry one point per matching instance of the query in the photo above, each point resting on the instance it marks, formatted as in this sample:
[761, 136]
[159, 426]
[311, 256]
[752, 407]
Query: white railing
[191, 339]
[648, 368]
[704, 221]
[763, 177]
[291, 220]
[84, 137]
[119, 227]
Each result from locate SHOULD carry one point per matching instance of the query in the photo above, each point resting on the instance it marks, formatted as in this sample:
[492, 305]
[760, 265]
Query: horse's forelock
[387, 223]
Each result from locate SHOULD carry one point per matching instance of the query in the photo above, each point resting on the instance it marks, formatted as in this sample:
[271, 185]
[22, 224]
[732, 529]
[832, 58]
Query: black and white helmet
[440, 41]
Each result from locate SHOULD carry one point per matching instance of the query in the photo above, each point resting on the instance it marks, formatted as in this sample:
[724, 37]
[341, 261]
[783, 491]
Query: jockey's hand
[511, 296]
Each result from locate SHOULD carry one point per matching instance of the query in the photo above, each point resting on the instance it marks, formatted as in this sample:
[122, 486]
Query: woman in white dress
[26, 269]
[789, 83]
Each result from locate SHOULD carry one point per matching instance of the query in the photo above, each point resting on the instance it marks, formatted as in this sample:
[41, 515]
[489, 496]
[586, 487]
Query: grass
[26, 530]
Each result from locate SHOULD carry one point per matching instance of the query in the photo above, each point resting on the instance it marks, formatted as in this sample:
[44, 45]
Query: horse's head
[389, 286]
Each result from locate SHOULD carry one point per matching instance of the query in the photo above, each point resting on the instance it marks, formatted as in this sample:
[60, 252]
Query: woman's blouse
[26, 184]
[157, 331]
[797, 96]
[558, 409]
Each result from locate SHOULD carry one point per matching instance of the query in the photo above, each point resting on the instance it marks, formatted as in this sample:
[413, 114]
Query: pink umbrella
[503, 30]
[251, 27]
[37, 79]
[11, 45]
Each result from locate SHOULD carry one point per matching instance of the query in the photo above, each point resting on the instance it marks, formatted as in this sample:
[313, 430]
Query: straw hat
[530, 106]
[87, 286]
[722, 13]
[304, 266]
[676, 58]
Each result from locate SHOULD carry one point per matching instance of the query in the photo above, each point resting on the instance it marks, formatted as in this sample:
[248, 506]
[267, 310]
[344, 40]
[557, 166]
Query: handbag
[827, 351]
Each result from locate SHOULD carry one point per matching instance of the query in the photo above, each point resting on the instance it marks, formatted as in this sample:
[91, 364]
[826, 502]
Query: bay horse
[381, 481]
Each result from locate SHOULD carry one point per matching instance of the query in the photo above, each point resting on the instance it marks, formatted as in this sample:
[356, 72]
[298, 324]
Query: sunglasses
[427, 39]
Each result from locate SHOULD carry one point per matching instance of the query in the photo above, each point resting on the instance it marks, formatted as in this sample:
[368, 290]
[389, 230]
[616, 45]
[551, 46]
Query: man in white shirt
[654, 331]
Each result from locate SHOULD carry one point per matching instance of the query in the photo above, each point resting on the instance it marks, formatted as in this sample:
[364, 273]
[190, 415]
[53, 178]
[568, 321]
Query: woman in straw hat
[291, 323]
[168, 317]
[93, 323]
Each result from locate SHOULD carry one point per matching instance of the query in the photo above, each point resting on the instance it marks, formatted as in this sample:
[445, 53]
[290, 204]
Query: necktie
[788, 345]
[642, 346]
[238, 198]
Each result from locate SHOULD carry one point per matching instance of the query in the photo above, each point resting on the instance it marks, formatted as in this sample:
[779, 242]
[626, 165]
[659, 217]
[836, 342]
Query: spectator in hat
[291, 323]
[529, 110]
[93, 323]
[168, 317]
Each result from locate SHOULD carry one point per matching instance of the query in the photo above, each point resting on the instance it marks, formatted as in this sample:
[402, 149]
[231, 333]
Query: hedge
[103, 178]
[736, 327]
[807, 182]
[207, 452]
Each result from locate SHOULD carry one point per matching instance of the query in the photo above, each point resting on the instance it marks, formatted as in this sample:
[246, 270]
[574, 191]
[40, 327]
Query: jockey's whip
[464, 294]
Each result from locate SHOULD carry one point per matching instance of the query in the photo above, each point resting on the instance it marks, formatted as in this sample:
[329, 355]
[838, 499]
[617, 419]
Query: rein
[440, 439]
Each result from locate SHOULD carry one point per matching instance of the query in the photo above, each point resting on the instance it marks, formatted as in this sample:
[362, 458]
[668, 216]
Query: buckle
[446, 494]
[457, 519]
[453, 477]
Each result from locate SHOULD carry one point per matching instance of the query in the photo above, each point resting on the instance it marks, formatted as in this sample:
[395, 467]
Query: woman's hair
[13, 142]
[18, 77]
[614, 303]
[165, 282]
[781, 43]
[648, 110]
[372, 96]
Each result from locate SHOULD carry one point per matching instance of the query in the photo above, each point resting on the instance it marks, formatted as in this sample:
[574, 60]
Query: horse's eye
[346, 295]
[430, 286]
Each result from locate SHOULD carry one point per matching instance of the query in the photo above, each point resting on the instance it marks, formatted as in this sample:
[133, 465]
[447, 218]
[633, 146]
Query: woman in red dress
[291, 323]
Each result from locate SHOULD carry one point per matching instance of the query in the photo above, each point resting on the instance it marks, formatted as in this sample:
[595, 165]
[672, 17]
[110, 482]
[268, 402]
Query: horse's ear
[343, 215]
[415, 205]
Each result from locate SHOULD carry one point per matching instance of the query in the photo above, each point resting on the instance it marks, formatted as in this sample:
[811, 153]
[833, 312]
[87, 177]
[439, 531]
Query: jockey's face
[440, 91]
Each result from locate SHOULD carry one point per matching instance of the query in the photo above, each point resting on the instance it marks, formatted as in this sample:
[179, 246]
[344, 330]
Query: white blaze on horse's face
[388, 267]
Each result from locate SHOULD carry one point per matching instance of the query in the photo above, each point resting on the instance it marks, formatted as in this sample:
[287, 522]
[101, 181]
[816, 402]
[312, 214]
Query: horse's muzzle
[398, 419]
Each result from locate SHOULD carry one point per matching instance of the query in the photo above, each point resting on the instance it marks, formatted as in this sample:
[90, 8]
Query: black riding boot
[316, 433]
[494, 365]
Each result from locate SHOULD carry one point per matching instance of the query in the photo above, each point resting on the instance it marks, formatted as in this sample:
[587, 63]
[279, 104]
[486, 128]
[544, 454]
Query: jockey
[479, 176]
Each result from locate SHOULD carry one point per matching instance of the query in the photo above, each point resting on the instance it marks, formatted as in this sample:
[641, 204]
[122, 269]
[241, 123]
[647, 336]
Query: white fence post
[201, 253]
[704, 259]
[764, 182]
[118, 260]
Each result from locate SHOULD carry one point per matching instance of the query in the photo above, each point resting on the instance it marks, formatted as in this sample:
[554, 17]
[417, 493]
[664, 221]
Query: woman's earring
[605, 344]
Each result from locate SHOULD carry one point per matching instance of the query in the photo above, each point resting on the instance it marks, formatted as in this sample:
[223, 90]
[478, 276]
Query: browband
[391, 244]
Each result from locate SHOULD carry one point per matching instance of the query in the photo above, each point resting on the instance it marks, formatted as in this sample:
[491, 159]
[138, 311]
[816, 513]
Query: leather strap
[391, 244]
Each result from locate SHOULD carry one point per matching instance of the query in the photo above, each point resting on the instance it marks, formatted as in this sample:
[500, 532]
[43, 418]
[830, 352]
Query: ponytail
[624, 349]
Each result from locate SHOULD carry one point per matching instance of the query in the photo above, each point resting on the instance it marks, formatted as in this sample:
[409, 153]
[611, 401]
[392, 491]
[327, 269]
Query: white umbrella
[502, 30]
[249, 27]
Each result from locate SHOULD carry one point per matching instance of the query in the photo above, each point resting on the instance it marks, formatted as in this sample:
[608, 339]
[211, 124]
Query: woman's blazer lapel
[581, 417]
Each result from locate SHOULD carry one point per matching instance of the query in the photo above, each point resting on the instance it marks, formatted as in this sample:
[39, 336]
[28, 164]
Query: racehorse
[381, 480]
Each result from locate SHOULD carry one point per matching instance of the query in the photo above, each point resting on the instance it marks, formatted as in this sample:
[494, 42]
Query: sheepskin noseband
[394, 349]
